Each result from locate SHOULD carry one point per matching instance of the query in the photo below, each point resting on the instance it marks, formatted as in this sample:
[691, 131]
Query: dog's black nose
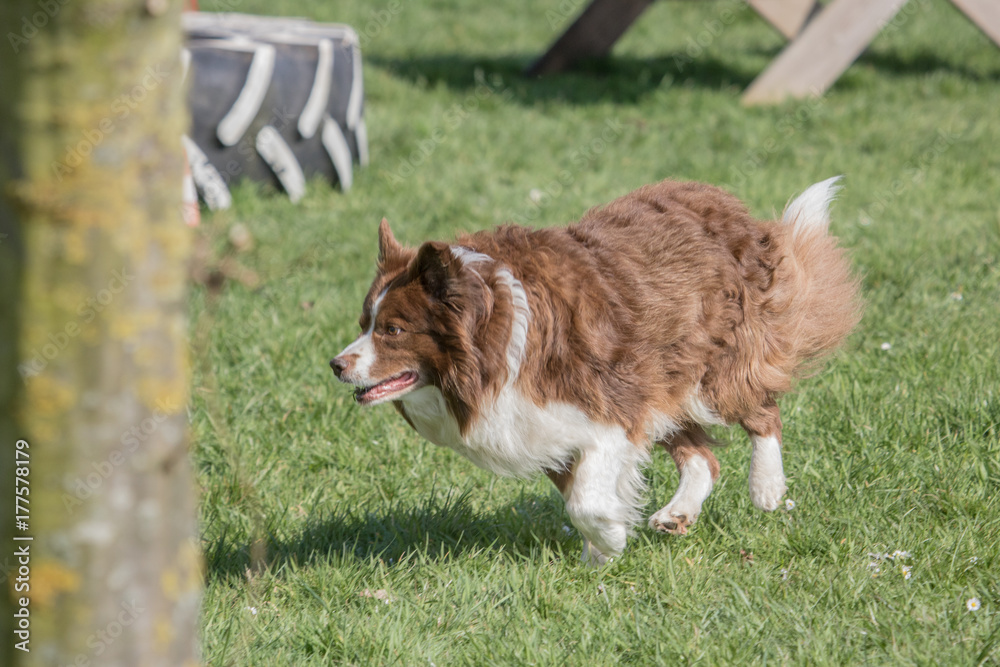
[338, 365]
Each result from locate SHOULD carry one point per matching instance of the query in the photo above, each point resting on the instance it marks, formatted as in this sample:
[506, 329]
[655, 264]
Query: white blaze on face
[364, 348]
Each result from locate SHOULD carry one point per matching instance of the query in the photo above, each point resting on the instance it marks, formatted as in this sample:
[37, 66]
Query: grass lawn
[336, 535]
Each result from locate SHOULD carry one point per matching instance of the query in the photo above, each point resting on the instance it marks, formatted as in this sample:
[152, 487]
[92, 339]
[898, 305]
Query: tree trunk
[93, 361]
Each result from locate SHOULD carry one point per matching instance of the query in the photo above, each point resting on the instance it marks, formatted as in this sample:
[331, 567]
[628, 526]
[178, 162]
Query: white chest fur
[513, 436]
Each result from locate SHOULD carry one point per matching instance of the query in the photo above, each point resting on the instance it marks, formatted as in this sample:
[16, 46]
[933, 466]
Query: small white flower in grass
[875, 565]
[973, 604]
[535, 195]
[567, 530]
[955, 296]
[886, 347]
[901, 555]
[600, 589]
[907, 571]
[789, 504]
[253, 610]
[784, 574]
[380, 594]
[973, 560]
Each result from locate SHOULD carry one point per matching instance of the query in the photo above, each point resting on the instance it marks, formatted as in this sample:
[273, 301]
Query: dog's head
[416, 322]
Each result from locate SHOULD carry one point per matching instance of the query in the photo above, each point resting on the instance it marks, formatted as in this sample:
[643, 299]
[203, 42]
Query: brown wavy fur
[671, 288]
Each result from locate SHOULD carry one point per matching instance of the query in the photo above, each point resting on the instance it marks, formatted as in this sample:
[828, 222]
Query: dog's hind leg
[698, 468]
[767, 475]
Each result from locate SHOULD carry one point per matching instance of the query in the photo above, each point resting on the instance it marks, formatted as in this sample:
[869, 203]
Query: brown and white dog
[570, 350]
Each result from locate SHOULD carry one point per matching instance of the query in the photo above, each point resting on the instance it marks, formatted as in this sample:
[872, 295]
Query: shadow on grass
[923, 62]
[624, 79]
[440, 528]
[616, 79]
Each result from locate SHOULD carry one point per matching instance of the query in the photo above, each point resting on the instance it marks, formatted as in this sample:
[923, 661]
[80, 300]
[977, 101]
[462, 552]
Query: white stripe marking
[280, 158]
[518, 344]
[357, 89]
[185, 64]
[361, 137]
[232, 128]
[312, 112]
[468, 256]
[519, 300]
[208, 179]
[340, 154]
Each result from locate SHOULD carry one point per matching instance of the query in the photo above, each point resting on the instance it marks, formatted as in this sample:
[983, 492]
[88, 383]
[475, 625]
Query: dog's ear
[436, 268]
[389, 248]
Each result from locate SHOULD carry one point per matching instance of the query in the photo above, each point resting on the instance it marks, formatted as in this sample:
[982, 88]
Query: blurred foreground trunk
[101, 540]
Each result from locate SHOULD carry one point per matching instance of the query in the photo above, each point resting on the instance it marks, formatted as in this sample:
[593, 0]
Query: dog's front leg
[602, 492]
[563, 479]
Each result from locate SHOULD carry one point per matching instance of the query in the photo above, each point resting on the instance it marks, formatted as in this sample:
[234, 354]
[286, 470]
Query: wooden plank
[592, 34]
[787, 16]
[985, 14]
[820, 54]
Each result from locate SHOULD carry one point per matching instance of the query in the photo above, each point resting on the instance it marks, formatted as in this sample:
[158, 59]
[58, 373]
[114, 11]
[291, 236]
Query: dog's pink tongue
[386, 388]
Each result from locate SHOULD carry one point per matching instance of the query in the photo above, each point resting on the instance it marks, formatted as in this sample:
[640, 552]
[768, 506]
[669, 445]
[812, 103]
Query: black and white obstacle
[272, 99]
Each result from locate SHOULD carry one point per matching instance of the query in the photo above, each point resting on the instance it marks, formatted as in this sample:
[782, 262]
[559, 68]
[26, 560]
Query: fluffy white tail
[810, 211]
[827, 305]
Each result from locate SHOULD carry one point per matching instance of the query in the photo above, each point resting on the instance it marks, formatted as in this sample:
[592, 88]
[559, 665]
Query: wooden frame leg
[985, 14]
[820, 54]
[787, 16]
[591, 35]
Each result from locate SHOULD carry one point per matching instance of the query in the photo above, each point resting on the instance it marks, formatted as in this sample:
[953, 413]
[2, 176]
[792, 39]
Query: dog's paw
[766, 492]
[591, 556]
[671, 520]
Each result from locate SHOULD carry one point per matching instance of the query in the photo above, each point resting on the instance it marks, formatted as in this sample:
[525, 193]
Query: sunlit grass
[336, 535]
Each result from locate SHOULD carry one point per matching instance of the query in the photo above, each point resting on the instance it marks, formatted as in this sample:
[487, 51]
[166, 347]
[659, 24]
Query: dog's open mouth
[386, 389]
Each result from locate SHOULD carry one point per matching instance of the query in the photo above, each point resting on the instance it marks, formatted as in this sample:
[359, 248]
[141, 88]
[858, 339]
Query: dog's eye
[393, 330]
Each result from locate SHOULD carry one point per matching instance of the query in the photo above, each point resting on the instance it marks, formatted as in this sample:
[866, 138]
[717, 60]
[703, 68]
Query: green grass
[308, 501]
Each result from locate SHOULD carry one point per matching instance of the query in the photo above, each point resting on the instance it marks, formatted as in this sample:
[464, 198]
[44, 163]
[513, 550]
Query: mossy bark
[93, 361]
